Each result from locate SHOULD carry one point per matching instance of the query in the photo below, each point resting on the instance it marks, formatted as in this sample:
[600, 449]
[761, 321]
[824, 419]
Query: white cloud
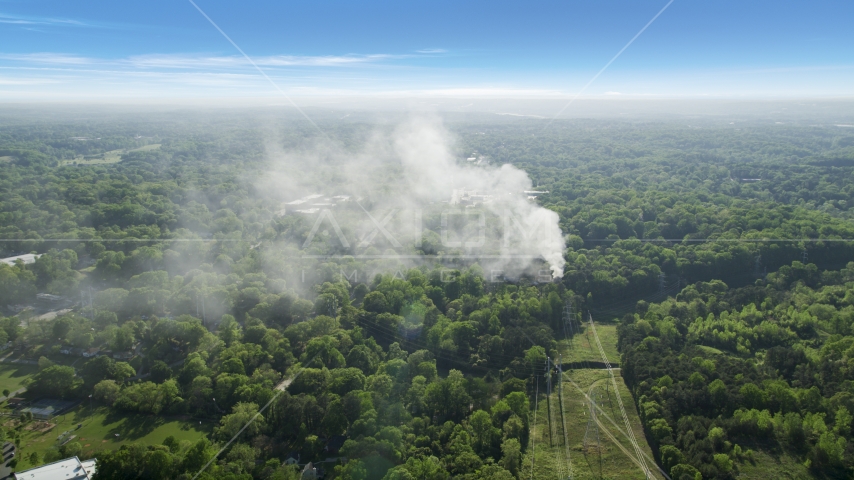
[432, 50]
[30, 20]
[48, 58]
[480, 92]
[189, 61]
[25, 81]
[171, 61]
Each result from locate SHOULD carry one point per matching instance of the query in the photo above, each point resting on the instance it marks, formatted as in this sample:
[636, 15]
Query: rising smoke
[411, 176]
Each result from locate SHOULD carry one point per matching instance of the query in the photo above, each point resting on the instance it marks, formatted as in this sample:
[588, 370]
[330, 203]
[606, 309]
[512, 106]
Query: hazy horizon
[177, 50]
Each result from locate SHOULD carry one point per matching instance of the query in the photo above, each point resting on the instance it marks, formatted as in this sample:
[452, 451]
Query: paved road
[12, 394]
[284, 384]
[6, 359]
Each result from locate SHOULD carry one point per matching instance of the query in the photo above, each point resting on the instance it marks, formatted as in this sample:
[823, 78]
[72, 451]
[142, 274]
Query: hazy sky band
[51, 49]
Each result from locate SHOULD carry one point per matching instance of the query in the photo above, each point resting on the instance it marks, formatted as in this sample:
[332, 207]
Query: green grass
[6, 158]
[101, 425]
[766, 465]
[154, 146]
[582, 347]
[113, 156]
[615, 464]
[13, 376]
[602, 459]
[712, 350]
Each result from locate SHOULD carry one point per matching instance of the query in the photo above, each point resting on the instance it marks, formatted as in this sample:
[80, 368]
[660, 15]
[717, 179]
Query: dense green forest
[721, 250]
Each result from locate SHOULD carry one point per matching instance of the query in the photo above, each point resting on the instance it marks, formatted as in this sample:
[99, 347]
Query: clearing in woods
[113, 156]
[99, 429]
[582, 347]
[597, 447]
[14, 375]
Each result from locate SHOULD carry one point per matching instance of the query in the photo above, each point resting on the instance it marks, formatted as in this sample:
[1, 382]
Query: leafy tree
[160, 372]
[54, 380]
[511, 455]
[242, 414]
[107, 391]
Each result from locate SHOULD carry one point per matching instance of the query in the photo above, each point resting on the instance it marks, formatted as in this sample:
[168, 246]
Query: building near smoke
[67, 469]
[533, 194]
[311, 204]
[26, 259]
[469, 198]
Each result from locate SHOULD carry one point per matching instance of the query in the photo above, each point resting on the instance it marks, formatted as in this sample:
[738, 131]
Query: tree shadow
[130, 426]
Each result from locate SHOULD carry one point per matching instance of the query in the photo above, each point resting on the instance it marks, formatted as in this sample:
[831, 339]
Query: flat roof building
[26, 259]
[68, 469]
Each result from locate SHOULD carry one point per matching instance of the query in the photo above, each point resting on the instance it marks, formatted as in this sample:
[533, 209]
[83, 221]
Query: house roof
[69, 469]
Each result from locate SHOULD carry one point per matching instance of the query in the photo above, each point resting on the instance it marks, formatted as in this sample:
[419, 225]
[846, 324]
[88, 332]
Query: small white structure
[309, 472]
[68, 469]
[46, 297]
[26, 259]
[91, 352]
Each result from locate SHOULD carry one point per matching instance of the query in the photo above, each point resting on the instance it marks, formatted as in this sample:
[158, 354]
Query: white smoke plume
[415, 168]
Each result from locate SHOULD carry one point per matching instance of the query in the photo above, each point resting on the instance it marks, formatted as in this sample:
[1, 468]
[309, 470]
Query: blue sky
[72, 50]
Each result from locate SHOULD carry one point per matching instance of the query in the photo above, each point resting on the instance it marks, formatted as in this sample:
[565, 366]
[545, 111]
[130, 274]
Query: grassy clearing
[582, 347]
[113, 156]
[602, 459]
[153, 146]
[7, 158]
[13, 376]
[100, 426]
[766, 465]
[712, 350]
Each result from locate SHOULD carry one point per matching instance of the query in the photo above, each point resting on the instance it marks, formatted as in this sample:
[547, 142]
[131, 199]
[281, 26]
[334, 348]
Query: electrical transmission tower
[568, 328]
[591, 422]
[593, 430]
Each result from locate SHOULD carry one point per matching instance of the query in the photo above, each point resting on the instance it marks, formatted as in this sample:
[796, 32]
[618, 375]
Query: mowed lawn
[100, 427]
[13, 376]
[582, 346]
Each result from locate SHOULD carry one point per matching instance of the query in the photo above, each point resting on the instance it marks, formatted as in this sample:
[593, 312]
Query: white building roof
[68, 469]
[89, 466]
[26, 258]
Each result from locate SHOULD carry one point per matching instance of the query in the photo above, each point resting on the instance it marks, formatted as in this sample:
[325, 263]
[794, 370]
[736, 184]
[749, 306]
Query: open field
[778, 465]
[13, 375]
[582, 347]
[602, 458]
[100, 426]
[113, 156]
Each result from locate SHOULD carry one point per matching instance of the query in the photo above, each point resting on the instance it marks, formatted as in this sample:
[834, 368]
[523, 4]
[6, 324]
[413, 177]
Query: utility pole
[598, 441]
[562, 418]
[204, 315]
[533, 427]
[549, 398]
